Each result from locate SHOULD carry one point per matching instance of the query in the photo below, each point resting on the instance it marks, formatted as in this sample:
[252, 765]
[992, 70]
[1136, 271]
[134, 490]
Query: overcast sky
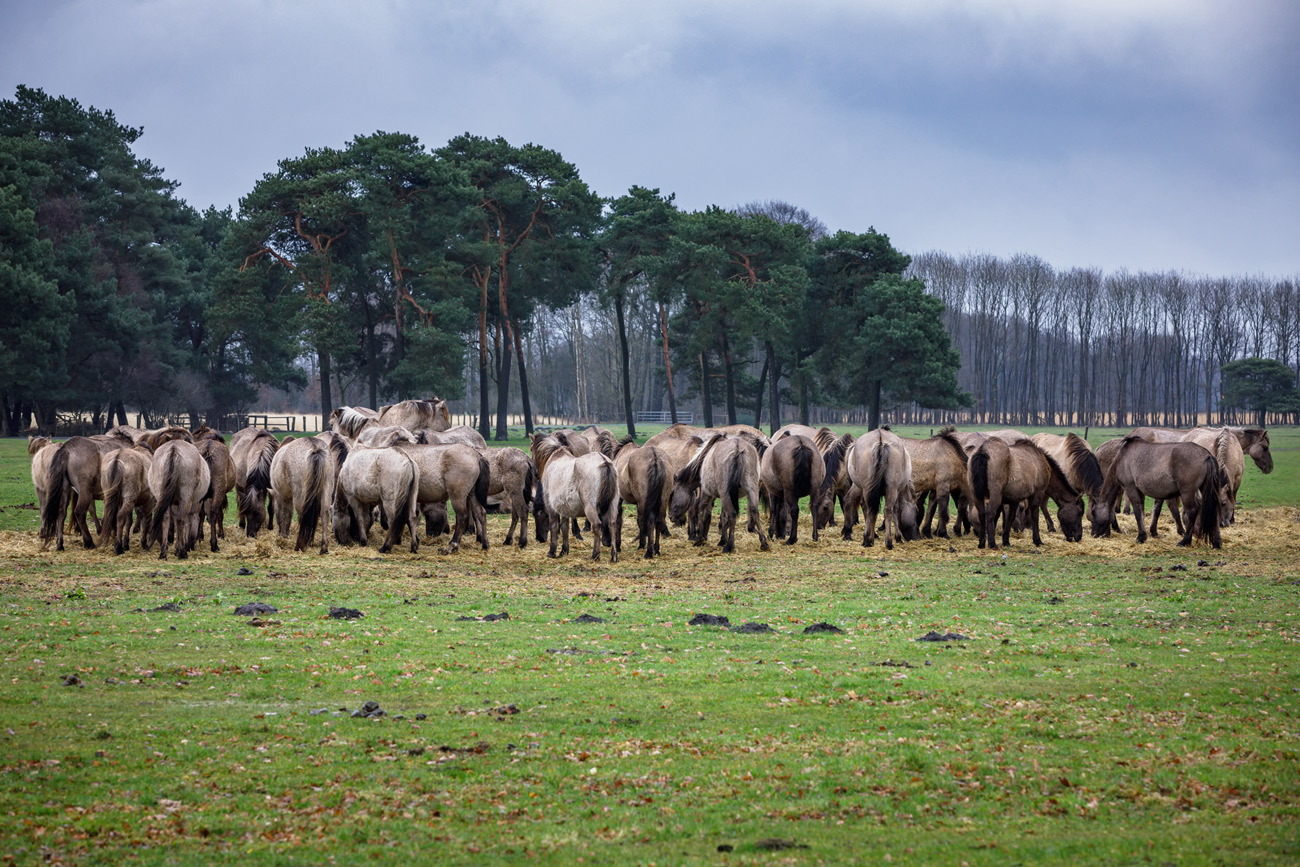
[1146, 134]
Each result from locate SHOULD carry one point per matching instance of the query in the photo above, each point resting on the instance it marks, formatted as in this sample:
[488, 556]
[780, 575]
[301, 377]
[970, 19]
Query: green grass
[1107, 708]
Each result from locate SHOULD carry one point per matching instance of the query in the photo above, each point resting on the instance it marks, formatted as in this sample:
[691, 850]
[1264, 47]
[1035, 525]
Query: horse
[42, 451]
[1004, 475]
[388, 478]
[349, 421]
[879, 466]
[124, 480]
[222, 471]
[180, 481]
[938, 474]
[1254, 442]
[303, 480]
[1073, 454]
[127, 434]
[833, 448]
[645, 480]
[416, 414]
[379, 436]
[251, 452]
[682, 431]
[573, 485]
[679, 450]
[461, 433]
[1162, 471]
[725, 466]
[587, 440]
[512, 477]
[156, 437]
[455, 473]
[791, 469]
[72, 480]
[1226, 448]
[203, 432]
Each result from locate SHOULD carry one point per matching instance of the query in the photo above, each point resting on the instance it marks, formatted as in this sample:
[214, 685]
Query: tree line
[490, 274]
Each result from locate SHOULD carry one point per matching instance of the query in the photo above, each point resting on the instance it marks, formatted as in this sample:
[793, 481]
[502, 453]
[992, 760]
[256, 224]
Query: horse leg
[849, 505]
[791, 508]
[1040, 507]
[705, 520]
[577, 532]
[891, 519]
[593, 519]
[1175, 509]
[1137, 502]
[462, 515]
[213, 515]
[564, 547]
[521, 509]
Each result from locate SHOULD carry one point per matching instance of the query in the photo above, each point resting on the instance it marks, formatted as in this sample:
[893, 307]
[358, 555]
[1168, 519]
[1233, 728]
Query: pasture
[1110, 703]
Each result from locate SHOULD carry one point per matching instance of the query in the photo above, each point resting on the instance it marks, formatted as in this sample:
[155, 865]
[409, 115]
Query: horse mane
[689, 475]
[605, 442]
[544, 447]
[626, 441]
[947, 429]
[760, 443]
[681, 430]
[1084, 462]
[1221, 446]
[834, 457]
[350, 422]
[1056, 469]
[824, 438]
[949, 436]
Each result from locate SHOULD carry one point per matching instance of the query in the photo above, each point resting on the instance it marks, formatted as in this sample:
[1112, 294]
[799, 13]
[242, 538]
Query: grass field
[1111, 704]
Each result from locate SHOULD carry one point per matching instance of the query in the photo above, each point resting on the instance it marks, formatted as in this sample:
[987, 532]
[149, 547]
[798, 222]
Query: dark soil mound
[708, 620]
[251, 608]
[819, 628]
[345, 613]
[943, 636]
[752, 627]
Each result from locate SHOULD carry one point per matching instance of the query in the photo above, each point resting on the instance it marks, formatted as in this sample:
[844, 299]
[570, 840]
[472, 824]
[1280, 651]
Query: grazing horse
[416, 414]
[1254, 442]
[645, 480]
[222, 470]
[833, 450]
[42, 452]
[587, 440]
[251, 451]
[1073, 454]
[303, 481]
[458, 474]
[378, 436]
[461, 433]
[126, 433]
[156, 437]
[939, 474]
[725, 466]
[387, 478]
[512, 478]
[791, 469]
[72, 480]
[1226, 448]
[1003, 475]
[880, 467]
[180, 482]
[574, 485]
[1162, 471]
[124, 480]
[349, 421]
[678, 450]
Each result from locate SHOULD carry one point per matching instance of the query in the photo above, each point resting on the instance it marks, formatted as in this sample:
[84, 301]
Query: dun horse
[72, 480]
[791, 469]
[222, 470]
[571, 486]
[939, 475]
[1164, 470]
[512, 478]
[416, 414]
[387, 478]
[645, 480]
[1004, 475]
[180, 482]
[726, 467]
[251, 451]
[303, 481]
[880, 467]
[458, 474]
[124, 480]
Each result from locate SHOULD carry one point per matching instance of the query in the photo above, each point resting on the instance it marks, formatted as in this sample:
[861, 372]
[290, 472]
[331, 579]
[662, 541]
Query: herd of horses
[407, 462]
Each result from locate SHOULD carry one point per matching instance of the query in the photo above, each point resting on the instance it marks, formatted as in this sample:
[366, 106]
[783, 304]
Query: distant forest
[491, 275]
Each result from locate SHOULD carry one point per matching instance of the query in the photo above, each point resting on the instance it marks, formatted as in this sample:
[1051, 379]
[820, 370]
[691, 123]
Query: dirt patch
[345, 614]
[487, 618]
[709, 620]
[588, 618]
[823, 628]
[251, 609]
[752, 628]
[943, 636]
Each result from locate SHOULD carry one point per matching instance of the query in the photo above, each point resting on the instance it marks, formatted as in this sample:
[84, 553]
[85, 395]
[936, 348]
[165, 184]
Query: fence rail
[656, 417]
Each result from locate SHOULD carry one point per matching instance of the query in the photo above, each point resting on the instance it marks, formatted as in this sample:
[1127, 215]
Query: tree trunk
[668, 365]
[804, 413]
[706, 390]
[758, 401]
[873, 405]
[523, 377]
[483, 426]
[326, 402]
[728, 375]
[626, 367]
[774, 390]
[503, 385]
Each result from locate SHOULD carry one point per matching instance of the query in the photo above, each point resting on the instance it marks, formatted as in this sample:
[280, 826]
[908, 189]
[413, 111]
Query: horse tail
[801, 477]
[979, 475]
[57, 493]
[656, 473]
[529, 481]
[312, 504]
[112, 498]
[874, 490]
[171, 483]
[1207, 521]
[735, 480]
[608, 489]
[257, 484]
[484, 481]
[400, 516]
